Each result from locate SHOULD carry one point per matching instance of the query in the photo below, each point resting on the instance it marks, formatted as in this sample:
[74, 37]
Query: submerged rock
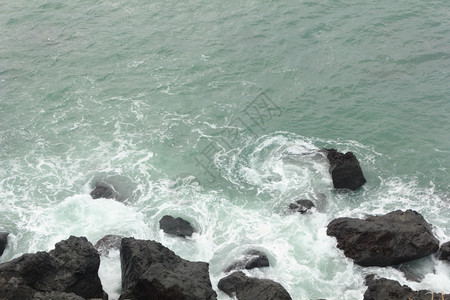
[72, 267]
[345, 170]
[3, 241]
[107, 243]
[384, 240]
[247, 288]
[152, 271]
[176, 226]
[383, 289]
[252, 259]
[103, 190]
[302, 206]
[444, 252]
[410, 274]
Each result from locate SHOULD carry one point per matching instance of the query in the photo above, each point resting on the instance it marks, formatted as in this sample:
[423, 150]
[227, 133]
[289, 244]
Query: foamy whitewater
[216, 112]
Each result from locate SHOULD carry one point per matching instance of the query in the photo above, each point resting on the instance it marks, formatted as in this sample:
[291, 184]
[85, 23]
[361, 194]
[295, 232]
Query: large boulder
[176, 226]
[107, 243]
[386, 289]
[384, 240]
[345, 170]
[3, 241]
[152, 271]
[252, 259]
[248, 288]
[72, 267]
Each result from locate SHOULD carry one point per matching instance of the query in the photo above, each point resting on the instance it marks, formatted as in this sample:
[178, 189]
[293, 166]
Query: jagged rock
[444, 251]
[176, 226]
[345, 170]
[107, 243]
[384, 240]
[103, 190]
[152, 271]
[386, 289]
[72, 267]
[252, 259]
[301, 206]
[3, 241]
[247, 288]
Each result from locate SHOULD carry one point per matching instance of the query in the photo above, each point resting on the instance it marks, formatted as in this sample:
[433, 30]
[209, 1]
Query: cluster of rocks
[149, 271]
[387, 240]
[70, 271]
[152, 271]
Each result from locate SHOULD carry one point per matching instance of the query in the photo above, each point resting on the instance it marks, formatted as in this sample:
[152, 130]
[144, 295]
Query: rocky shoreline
[149, 270]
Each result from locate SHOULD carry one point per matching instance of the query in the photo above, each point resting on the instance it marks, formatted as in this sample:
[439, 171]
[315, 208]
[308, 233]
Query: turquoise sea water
[214, 112]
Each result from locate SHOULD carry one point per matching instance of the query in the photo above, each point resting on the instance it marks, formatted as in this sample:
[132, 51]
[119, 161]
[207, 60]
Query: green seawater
[215, 112]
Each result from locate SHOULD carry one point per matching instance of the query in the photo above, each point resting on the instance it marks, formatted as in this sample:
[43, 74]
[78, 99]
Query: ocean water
[215, 111]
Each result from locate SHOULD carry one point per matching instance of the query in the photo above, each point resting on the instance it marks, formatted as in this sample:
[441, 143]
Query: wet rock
[56, 296]
[152, 271]
[444, 251]
[383, 289]
[247, 288]
[3, 241]
[301, 206]
[107, 243]
[410, 274]
[252, 259]
[72, 267]
[103, 190]
[176, 226]
[345, 170]
[384, 240]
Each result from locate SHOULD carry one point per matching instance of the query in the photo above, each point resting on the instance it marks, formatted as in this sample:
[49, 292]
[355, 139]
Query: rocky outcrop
[176, 226]
[152, 271]
[302, 205]
[444, 251]
[252, 259]
[72, 267]
[383, 289]
[384, 240]
[247, 288]
[3, 241]
[345, 170]
[107, 243]
[103, 190]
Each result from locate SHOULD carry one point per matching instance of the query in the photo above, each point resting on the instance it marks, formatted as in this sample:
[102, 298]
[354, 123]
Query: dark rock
[152, 271]
[301, 206]
[252, 259]
[56, 296]
[384, 289]
[444, 251]
[384, 240]
[72, 267]
[176, 226]
[247, 288]
[345, 170]
[103, 190]
[107, 243]
[3, 241]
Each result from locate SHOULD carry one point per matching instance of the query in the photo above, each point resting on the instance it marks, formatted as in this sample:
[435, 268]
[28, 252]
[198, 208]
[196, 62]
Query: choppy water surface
[215, 112]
